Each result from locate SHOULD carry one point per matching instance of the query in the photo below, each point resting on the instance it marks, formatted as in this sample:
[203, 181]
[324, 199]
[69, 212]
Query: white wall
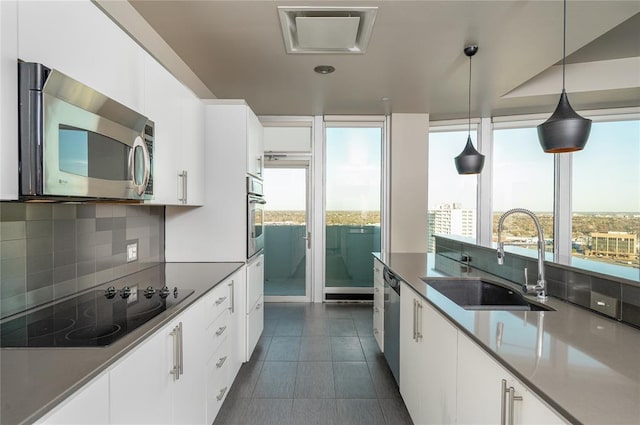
[409, 182]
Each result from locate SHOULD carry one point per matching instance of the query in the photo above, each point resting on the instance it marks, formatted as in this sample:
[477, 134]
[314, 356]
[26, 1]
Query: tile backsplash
[571, 284]
[48, 251]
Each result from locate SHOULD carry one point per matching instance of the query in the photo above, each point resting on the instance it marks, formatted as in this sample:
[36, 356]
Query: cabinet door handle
[507, 398]
[183, 183]
[175, 370]
[181, 340]
[414, 321]
[221, 362]
[419, 320]
[220, 395]
[233, 299]
[512, 397]
[220, 300]
[503, 403]
[221, 330]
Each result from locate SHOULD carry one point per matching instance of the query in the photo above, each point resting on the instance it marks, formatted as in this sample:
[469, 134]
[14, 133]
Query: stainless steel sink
[479, 294]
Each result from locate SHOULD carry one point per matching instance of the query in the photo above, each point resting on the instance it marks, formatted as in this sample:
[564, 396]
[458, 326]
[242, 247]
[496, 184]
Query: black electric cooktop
[93, 319]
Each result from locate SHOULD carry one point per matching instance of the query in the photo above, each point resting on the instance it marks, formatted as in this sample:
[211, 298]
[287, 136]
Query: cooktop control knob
[125, 292]
[110, 292]
[175, 292]
[148, 293]
[164, 292]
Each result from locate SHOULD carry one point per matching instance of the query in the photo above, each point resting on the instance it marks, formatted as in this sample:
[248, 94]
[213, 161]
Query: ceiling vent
[326, 29]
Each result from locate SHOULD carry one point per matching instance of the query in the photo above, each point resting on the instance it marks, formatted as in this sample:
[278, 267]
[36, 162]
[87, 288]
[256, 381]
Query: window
[522, 178]
[452, 197]
[352, 217]
[606, 200]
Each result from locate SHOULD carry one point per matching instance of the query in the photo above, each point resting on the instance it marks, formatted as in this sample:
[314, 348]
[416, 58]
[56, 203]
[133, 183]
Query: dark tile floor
[315, 364]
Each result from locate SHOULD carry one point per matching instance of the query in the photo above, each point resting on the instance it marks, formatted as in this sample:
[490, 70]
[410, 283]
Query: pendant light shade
[470, 161]
[565, 130]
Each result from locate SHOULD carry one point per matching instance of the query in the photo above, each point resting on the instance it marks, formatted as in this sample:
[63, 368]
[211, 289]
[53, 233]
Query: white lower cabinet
[162, 381]
[89, 406]
[447, 378]
[224, 336]
[428, 343]
[255, 304]
[483, 398]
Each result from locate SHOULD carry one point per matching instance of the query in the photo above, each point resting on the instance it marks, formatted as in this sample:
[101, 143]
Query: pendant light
[470, 161]
[565, 130]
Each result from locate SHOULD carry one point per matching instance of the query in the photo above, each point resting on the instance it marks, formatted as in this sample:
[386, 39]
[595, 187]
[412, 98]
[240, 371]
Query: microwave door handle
[146, 163]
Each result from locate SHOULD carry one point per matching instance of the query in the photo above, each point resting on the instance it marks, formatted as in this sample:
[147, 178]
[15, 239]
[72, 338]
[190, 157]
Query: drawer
[217, 301]
[219, 380]
[218, 331]
[255, 325]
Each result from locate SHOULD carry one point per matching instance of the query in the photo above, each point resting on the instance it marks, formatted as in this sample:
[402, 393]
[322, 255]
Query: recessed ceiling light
[324, 69]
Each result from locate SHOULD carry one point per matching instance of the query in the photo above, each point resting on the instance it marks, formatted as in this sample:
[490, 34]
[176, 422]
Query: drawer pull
[221, 330]
[220, 396]
[221, 362]
[220, 300]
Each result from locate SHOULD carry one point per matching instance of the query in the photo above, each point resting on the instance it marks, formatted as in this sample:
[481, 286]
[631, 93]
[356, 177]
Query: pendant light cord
[469, 96]
[564, 42]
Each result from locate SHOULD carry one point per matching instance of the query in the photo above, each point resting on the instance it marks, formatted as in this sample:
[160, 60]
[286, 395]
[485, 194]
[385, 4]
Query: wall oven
[255, 216]
[77, 143]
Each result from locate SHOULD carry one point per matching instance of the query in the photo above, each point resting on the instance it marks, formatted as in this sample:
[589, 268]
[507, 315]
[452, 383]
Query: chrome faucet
[541, 285]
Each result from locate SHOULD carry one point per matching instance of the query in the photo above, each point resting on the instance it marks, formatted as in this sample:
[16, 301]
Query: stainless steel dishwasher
[392, 322]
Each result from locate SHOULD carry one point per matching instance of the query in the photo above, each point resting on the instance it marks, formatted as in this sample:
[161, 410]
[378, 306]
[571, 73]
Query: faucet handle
[500, 253]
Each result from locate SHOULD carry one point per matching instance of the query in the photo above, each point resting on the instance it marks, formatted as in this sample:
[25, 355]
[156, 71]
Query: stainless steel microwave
[76, 143]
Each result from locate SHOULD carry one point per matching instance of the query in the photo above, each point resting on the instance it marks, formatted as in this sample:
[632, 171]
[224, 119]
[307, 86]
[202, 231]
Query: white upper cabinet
[255, 145]
[79, 40]
[178, 157]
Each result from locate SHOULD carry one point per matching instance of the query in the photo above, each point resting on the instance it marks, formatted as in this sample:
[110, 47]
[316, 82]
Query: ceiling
[414, 58]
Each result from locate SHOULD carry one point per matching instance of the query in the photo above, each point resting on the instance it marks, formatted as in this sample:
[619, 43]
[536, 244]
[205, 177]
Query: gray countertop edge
[441, 304]
[133, 339]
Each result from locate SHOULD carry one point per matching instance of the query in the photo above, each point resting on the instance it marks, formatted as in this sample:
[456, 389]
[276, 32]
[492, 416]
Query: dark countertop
[34, 380]
[586, 366]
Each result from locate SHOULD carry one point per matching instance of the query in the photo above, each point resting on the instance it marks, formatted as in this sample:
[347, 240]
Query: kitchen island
[582, 365]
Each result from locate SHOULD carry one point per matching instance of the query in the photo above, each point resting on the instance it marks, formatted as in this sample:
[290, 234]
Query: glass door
[353, 170]
[287, 239]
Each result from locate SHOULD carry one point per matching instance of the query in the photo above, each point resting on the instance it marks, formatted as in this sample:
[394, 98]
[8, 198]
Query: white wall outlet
[132, 251]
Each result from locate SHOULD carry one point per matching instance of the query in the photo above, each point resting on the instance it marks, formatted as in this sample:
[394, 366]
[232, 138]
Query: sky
[285, 189]
[353, 168]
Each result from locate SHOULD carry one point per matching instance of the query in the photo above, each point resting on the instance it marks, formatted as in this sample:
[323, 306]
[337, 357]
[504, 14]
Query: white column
[484, 199]
[409, 182]
[562, 209]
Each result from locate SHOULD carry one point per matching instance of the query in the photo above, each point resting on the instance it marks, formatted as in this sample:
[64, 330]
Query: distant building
[614, 244]
[450, 219]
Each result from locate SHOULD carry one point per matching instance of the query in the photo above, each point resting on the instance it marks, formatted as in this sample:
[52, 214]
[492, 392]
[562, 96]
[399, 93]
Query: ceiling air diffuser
[327, 30]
